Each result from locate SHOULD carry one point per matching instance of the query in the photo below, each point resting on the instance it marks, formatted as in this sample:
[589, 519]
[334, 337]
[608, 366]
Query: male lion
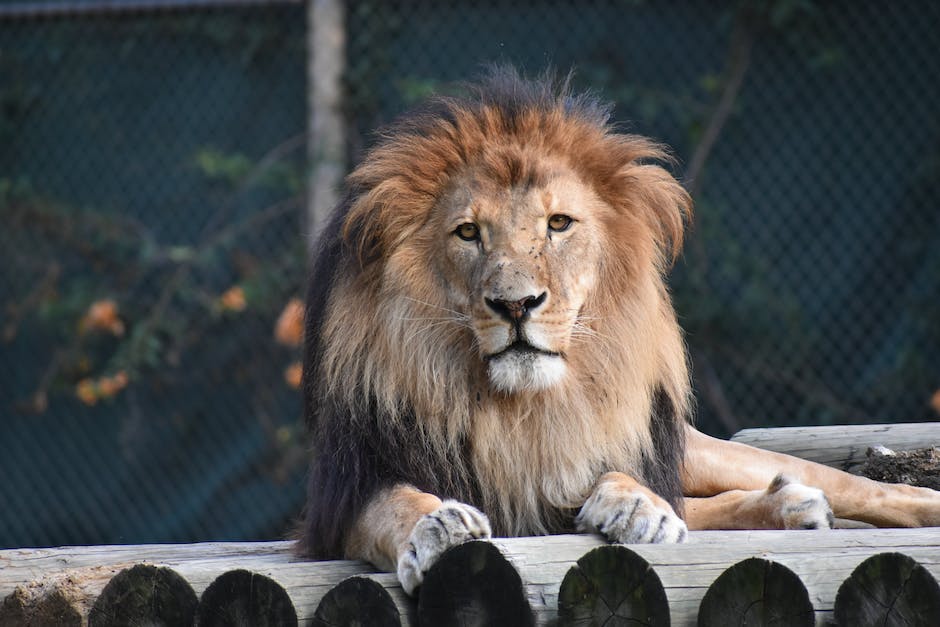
[488, 330]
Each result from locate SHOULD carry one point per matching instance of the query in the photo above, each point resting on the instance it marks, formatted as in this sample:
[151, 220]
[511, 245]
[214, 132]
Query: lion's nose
[515, 310]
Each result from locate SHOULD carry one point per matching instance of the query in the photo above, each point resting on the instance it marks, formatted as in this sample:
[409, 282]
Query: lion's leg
[714, 466]
[625, 511]
[406, 530]
[783, 505]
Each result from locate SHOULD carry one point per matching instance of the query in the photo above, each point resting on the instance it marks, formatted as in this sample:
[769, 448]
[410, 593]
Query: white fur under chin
[517, 372]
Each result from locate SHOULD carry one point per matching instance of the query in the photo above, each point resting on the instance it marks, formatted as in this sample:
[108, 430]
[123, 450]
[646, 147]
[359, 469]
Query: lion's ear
[363, 231]
[382, 218]
[664, 205]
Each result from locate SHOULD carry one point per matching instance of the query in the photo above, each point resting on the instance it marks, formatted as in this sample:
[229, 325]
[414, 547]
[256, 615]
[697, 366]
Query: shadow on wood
[144, 595]
[472, 585]
[357, 601]
[756, 592]
[889, 589]
[242, 598]
[610, 586]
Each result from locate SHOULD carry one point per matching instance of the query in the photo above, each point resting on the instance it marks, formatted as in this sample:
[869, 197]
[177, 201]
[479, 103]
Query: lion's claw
[631, 518]
[450, 524]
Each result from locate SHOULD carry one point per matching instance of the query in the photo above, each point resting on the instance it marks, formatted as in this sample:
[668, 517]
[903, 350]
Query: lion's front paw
[631, 517]
[798, 506]
[450, 524]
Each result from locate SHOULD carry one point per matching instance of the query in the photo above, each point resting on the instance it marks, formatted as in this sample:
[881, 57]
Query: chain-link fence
[152, 169]
[151, 165]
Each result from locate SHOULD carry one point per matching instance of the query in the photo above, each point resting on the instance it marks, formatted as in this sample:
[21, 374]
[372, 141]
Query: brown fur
[531, 452]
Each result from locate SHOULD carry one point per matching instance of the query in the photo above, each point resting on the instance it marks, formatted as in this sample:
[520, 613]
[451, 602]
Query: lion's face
[519, 263]
[508, 249]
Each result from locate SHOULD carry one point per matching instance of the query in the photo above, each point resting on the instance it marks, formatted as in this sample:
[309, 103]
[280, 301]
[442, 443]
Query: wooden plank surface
[822, 560]
[841, 447]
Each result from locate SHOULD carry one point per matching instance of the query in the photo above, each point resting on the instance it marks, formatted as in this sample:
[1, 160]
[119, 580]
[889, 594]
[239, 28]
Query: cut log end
[241, 598]
[472, 584]
[357, 601]
[889, 589]
[757, 592]
[144, 595]
[612, 585]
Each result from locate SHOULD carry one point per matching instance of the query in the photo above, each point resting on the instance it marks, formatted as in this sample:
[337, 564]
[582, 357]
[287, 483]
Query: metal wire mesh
[151, 179]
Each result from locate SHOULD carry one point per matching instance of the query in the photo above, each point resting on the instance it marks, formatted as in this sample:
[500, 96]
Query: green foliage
[233, 170]
[219, 166]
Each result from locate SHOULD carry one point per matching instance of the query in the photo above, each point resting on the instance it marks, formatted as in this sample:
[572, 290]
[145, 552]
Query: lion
[491, 347]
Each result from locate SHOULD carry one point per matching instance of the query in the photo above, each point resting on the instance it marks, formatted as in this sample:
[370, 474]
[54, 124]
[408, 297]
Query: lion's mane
[393, 398]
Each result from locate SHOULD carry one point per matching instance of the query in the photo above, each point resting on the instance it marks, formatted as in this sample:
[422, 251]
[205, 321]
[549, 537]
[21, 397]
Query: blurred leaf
[710, 83]
[219, 166]
[784, 12]
[412, 90]
[180, 254]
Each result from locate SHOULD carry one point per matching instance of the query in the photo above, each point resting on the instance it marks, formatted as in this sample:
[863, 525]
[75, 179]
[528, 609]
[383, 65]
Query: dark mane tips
[505, 88]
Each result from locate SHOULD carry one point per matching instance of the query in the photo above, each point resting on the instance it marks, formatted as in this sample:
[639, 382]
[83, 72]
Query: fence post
[326, 143]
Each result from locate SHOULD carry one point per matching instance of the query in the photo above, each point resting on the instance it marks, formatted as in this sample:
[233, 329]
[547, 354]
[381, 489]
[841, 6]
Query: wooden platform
[884, 576]
[822, 560]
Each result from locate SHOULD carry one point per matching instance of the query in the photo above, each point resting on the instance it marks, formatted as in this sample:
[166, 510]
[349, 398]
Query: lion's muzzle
[518, 352]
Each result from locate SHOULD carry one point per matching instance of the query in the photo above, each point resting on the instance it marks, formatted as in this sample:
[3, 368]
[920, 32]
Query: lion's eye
[468, 231]
[559, 222]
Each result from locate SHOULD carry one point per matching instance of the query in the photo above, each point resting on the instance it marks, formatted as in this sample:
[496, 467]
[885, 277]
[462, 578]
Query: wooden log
[241, 598]
[200, 564]
[144, 595]
[612, 585]
[822, 560]
[54, 597]
[357, 601]
[889, 589]
[471, 585]
[756, 593]
[844, 446]
[39, 605]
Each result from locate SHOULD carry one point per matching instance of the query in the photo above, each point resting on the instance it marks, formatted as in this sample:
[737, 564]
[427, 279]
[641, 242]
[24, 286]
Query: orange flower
[935, 401]
[120, 377]
[106, 387]
[233, 299]
[110, 386]
[289, 329]
[87, 391]
[40, 403]
[102, 315]
[293, 375]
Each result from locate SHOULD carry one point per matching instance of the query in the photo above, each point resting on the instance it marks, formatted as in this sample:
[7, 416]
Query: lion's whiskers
[579, 327]
[433, 306]
[460, 319]
[435, 323]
